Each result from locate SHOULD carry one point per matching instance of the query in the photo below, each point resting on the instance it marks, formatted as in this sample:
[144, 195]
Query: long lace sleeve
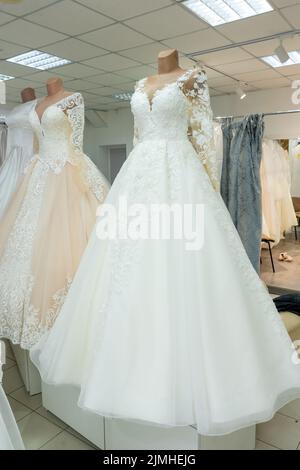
[73, 106]
[201, 129]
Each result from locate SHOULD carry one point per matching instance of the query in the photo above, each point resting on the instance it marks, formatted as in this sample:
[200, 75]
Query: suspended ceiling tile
[25, 7]
[115, 37]
[270, 74]
[5, 18]
[111, 62]
[128, 86]
[75, 71]
[79, 84]
[198, 41]
[292, 14]
[69, 18]
[74, 49]
[274, 83]
[166, 23]
[284, 3]
[242, 67]
[211, 73]
[14, 70]
[221, 81]
[107, 79]
[289, 70]
[21, 83]
[10, 50]
[145, 54]
[41, 76]
[107, 91]
[28, 34]
[224, 57]
[255, 27]
[121, 9]
[136, 73]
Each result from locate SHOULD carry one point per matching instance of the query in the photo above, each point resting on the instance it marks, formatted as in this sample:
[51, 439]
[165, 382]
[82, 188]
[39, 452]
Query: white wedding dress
[47, 224]
[10, 438]
[19, 151]
[153, 332]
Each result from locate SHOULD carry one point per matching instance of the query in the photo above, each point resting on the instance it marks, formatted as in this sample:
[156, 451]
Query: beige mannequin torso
[56, 93]
[168, 72]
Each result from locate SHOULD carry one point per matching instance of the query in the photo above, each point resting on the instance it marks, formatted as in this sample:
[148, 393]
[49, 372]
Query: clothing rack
[274, 113]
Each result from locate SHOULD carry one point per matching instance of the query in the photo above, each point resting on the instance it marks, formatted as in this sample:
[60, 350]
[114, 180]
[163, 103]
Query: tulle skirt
[10, 174]
[43, 235]
[151, 331]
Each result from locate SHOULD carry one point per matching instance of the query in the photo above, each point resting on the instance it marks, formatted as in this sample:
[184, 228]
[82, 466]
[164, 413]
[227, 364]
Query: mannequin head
[28, 94]
[54, 85]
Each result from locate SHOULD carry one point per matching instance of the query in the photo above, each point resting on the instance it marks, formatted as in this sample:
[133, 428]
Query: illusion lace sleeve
[73, 106]
[201, 129]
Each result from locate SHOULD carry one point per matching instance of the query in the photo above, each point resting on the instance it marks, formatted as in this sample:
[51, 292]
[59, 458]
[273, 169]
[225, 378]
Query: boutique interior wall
[118, 129]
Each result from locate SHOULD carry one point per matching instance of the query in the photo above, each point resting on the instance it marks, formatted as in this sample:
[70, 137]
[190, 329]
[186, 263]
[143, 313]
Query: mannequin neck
[55, 86]
[168, 62]
[28, 94]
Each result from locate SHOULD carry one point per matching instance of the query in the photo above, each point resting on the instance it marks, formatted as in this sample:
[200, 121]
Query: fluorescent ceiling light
[3, 78]
[274, 61]
[39, 60]
[122, 96]
[216, 12]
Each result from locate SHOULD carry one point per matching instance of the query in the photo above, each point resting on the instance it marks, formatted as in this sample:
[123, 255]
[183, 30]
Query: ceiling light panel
[39, 60]
[217, 12]
[5, 77]
[122, 96]
[294, 58]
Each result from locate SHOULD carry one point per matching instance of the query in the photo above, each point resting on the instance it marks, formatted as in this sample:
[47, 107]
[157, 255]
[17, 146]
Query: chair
[268, 241]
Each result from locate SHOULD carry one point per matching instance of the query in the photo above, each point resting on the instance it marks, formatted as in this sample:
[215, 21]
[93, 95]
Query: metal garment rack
[274, 113]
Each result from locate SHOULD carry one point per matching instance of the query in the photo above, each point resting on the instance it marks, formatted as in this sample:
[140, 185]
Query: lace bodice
[60, 131]
[179, 111]
[19, 127]
[59, 134]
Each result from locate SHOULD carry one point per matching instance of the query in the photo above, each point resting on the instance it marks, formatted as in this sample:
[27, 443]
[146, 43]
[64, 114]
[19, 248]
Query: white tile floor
[39, 428]
[42, 430]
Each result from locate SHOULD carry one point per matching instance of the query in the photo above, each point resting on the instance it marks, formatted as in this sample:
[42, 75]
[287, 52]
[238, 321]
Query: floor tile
[36, 431]
[51, 417]
[33, 402]
[281, 431]
[19, 410]
[82, 438]
[66, 441]
[263, 446]
[9, 351]
[291, 409]
[12, 380]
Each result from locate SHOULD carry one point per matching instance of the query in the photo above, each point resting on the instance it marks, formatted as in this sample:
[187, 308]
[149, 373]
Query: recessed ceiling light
[3, 78]
[216, 12]
[273, 60]
[38, 60]
[122, 96]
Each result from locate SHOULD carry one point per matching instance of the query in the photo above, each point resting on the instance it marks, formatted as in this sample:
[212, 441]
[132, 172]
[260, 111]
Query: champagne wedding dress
[153, 332]
[47, 224]
[19, 151]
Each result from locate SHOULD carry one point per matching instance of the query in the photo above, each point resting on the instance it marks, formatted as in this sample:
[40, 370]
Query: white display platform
[28, 371]
[62, 402]
[113, 434]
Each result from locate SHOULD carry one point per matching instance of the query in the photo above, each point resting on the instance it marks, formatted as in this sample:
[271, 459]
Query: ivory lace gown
[19, 151]
[153, 332]
[47, 224]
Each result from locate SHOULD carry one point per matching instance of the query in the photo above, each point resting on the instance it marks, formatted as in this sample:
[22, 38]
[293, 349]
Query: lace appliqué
[201, 131]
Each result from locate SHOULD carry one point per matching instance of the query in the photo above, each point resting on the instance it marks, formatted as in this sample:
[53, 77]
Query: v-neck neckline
[40, 119]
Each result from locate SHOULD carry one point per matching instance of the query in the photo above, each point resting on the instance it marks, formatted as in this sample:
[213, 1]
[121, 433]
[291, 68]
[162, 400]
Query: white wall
[119, 128]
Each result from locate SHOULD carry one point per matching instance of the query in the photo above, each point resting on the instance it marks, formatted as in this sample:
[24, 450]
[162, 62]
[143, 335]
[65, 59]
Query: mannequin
[56, 92]
[28, 94]
[169, 70]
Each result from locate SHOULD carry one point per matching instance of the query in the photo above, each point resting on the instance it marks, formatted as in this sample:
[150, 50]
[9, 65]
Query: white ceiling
[113, 43]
